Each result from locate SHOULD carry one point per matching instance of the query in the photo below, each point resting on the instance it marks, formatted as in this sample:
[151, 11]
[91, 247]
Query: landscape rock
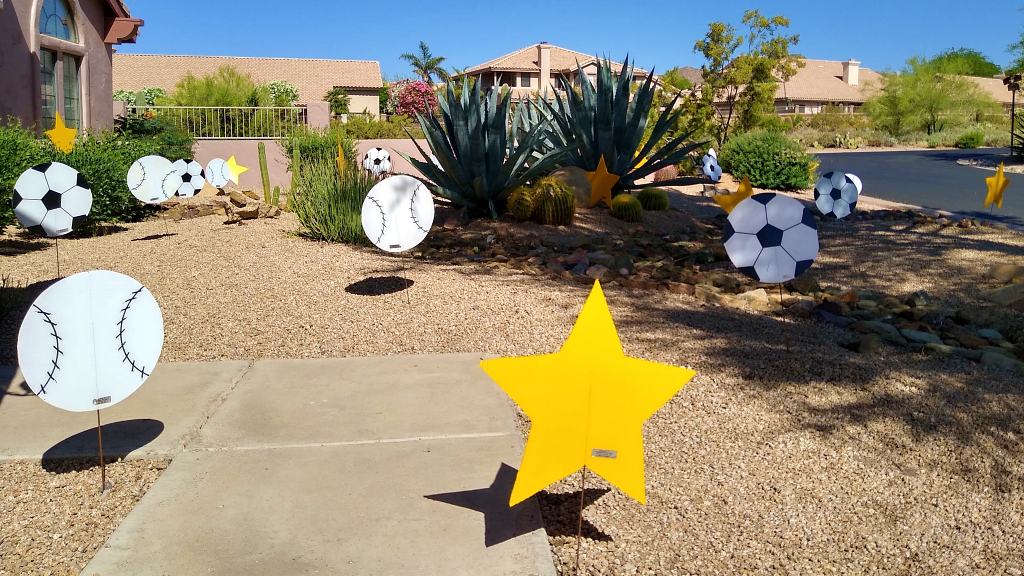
[921, 337]
[598, 272]
[869, 344]
[1011, 296]
[1006, 272]
[936, 348]
[1001, 361]
[888, 332]
[238, 199]
[991, 334]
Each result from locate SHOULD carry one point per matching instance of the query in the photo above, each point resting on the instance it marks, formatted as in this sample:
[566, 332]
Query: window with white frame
[60, 64]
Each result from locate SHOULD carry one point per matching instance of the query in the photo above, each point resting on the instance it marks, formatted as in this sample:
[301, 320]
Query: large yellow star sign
[996, 186]
[587, 405]
[63, 138]
[601, 183]
[235, 169]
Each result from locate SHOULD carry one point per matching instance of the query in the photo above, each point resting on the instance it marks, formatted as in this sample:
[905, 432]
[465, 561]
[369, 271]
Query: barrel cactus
[556, 203]
[653, 199]
[522, 202]
[628, 208]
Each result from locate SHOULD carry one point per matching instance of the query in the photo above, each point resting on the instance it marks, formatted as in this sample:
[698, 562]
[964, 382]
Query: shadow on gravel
[379, 286]
[561, 514]
[155, 237]
[501, 523]
[120, 439]
[24, 244]
[15, 301]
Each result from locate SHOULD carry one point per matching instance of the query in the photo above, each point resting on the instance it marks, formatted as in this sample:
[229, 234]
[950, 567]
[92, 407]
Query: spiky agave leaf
[478, 163]
[604, 119]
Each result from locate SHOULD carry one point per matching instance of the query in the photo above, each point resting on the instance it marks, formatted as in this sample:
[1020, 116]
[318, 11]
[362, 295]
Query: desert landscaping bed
[789, 453]
[54, 517]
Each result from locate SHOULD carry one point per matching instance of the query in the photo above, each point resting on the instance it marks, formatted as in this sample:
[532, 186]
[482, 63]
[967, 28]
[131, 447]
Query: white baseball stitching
[120, 335]
[143, 180]
[412, 210]
[56, 347]
[383, 218]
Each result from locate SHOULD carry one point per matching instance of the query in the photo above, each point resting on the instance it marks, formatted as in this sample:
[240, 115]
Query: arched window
[60, 63]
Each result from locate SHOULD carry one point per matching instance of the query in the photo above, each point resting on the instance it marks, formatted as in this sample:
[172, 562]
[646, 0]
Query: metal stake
[56, 245]
[579, 525]
[103, 466]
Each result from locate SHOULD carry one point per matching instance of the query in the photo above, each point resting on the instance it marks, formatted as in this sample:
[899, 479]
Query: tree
[282, 93]
[746, 82]
[339, 100]
[965, 62]
[426, 65]
[892, 109]
[1016, 50]
[673, 77]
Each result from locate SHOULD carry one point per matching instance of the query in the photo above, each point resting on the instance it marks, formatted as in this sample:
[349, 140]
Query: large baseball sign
[90, 340]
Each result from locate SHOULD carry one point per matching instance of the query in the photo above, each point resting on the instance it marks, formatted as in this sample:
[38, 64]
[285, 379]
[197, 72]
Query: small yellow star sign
[235, 169]
[601, 184]
[996, 186]
[730, 201]
[63, 138]
[587, 405]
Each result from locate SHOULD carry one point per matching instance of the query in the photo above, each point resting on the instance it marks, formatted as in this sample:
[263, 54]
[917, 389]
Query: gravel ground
[786, 455]
[54, 517]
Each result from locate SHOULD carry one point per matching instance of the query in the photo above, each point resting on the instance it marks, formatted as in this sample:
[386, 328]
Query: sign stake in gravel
[89, 341]
[587, 404]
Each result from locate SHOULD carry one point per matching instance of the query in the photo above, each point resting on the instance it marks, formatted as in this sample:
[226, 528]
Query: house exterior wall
[364, 101]
[19, 62]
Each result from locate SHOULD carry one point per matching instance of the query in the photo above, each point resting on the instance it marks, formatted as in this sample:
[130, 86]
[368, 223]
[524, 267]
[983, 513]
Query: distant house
[55, 56]
[314, 78]
[995, 88]
[535, 68]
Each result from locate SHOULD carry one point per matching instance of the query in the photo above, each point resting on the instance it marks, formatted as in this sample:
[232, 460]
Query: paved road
[932, 179]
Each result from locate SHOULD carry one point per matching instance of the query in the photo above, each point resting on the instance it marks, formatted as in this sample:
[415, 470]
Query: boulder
[238, 199]
[805, 284]
[920, 337]
[576, 179]
[1011, 296]
[598, 272]
[869, 344]
[1001, 361]
[1006, 272]
[990, 334]
[888, 332]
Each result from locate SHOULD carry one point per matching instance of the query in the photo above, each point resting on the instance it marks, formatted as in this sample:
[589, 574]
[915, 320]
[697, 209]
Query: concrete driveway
[931, 179]
[376, 466]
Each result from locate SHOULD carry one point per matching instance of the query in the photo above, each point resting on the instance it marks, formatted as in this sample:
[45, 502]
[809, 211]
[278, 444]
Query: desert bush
[329, 205]
[971, 139]
[769, 159]
[321, 145]
[169, 139]
[364, 127]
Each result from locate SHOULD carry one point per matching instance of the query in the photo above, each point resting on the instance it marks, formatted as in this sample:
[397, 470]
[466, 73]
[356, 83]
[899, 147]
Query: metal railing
[228, 122]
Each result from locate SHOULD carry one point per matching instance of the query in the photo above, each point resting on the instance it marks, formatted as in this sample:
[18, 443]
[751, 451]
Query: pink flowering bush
[412, 97]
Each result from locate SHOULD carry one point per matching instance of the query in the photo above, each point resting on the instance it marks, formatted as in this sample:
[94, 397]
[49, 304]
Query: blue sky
[659, 33]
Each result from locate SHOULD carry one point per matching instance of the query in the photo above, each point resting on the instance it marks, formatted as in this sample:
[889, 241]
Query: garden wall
[246, 153]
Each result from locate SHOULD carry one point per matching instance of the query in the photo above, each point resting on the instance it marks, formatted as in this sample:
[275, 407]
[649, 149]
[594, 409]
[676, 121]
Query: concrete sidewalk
[390, 466]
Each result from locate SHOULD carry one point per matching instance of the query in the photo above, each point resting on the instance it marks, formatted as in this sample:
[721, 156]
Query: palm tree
[426, 65]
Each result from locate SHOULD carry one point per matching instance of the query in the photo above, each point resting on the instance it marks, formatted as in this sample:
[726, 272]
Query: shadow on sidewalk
[80, 452]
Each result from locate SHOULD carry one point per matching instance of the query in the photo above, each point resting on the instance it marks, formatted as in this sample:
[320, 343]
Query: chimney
[851, 72]
[544, 61]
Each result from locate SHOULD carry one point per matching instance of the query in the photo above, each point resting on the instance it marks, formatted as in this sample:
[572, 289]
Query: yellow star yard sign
[729, 201]
[341, 159]
[587, 405]
[63, 138]
[235, 169]
[996, 186]
[601, 184]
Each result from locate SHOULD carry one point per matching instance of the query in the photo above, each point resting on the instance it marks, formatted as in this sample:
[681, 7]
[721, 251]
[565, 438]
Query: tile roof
[563, 60]
[822, 81]
[313, 77]
[993, 87]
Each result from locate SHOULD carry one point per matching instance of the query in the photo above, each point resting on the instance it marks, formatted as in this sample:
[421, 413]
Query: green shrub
[328, 206]
[771, 160]
[971, 139]
[365, 127]
[654, 199]
[170, 140]
[627, 207]
[321, 145]
[103, 159]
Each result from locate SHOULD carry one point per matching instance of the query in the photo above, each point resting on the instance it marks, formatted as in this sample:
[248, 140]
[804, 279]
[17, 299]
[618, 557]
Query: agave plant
[475, 161]
[607, 121]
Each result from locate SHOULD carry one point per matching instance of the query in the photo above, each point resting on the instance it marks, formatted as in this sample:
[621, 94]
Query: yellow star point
[341, 159]
[729, 201]
[601, 184]
[587, 405]
[235, 169]
[63, 138]
[996, 186]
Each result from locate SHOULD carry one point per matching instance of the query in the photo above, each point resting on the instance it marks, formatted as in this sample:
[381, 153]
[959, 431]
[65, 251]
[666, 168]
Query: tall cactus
[264, 172]
[296, 165]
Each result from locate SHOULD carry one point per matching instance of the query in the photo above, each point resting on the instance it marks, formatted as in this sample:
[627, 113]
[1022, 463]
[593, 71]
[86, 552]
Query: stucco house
[529, 70]
[362, 79]
[55, 56]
